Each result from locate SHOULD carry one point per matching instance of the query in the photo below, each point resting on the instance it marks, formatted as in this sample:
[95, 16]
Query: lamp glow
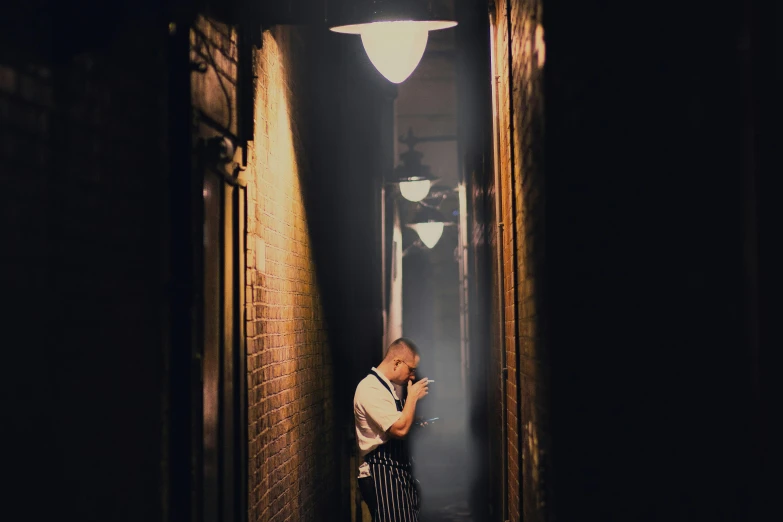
[395, 48]
[429, 233]
[415, 190]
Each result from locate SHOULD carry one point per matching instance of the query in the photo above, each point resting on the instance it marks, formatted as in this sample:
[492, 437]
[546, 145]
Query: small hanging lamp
[414, 177]
[428, 223]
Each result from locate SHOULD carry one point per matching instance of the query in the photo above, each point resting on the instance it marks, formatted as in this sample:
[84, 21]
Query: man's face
[405, 369]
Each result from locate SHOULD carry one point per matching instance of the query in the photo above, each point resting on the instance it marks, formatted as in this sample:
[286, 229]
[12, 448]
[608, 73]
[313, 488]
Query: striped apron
[396, 494]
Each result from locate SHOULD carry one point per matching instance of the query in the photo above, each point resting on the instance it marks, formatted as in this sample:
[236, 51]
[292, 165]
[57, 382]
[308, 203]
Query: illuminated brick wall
[519, 125]
[292, 469]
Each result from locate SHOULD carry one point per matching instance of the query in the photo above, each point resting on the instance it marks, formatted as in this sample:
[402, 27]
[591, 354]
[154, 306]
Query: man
[383, 421]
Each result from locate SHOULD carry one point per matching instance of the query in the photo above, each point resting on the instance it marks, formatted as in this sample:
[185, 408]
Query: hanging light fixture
[428, 224]
[394, 34]
[414, 178]
[416, 189]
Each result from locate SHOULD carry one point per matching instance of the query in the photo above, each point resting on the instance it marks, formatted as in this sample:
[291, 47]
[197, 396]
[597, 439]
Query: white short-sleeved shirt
[374, 412]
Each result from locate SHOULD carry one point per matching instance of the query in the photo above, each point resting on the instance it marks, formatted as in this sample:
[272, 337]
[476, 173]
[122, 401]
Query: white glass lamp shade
[429, 233]
[395, 48]
[415, 190]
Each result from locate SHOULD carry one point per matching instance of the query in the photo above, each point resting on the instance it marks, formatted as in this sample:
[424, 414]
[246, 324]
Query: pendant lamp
[394, 34]
[428, 224]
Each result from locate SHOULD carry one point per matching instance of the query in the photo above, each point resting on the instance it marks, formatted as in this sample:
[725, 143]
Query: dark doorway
[223, 360]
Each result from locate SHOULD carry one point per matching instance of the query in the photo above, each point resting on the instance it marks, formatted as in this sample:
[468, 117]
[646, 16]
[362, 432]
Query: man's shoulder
[370, 382]
[370, 387]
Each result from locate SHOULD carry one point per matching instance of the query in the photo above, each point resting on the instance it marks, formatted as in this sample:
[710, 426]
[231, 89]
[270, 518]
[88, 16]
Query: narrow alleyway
[205, 236]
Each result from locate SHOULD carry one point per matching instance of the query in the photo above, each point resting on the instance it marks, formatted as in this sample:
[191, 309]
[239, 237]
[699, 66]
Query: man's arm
[402, 426]
[400, 429]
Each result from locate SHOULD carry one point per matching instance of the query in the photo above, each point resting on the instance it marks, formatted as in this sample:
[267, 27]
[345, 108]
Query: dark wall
[650, 349]
[342, 195]
[343, 198]
[83, 184]
[657, 289]
[761, 67]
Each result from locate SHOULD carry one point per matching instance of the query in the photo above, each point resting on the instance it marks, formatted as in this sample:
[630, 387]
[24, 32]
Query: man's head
[401, 361]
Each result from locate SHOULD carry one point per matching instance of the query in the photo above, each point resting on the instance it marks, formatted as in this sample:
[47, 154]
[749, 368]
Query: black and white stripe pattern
[395, 490]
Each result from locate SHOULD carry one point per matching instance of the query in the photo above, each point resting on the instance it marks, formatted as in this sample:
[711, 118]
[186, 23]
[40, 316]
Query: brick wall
[518, 60]
[292, 468]
[292, 431]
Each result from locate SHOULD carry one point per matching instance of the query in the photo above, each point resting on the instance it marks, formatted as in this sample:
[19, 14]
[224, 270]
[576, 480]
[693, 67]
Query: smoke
[444, 450]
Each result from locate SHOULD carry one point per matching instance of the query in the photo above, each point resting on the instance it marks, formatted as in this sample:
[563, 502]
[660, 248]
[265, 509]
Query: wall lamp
[394, 34]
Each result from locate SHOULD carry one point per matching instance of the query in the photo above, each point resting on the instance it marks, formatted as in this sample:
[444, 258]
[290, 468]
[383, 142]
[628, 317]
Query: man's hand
[418, 390]
[403, 425]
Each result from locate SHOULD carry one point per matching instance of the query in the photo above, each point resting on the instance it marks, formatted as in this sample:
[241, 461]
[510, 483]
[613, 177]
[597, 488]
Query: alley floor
[442, 460]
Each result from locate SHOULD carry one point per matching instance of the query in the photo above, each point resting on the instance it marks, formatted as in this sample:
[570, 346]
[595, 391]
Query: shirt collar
[392, 386]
